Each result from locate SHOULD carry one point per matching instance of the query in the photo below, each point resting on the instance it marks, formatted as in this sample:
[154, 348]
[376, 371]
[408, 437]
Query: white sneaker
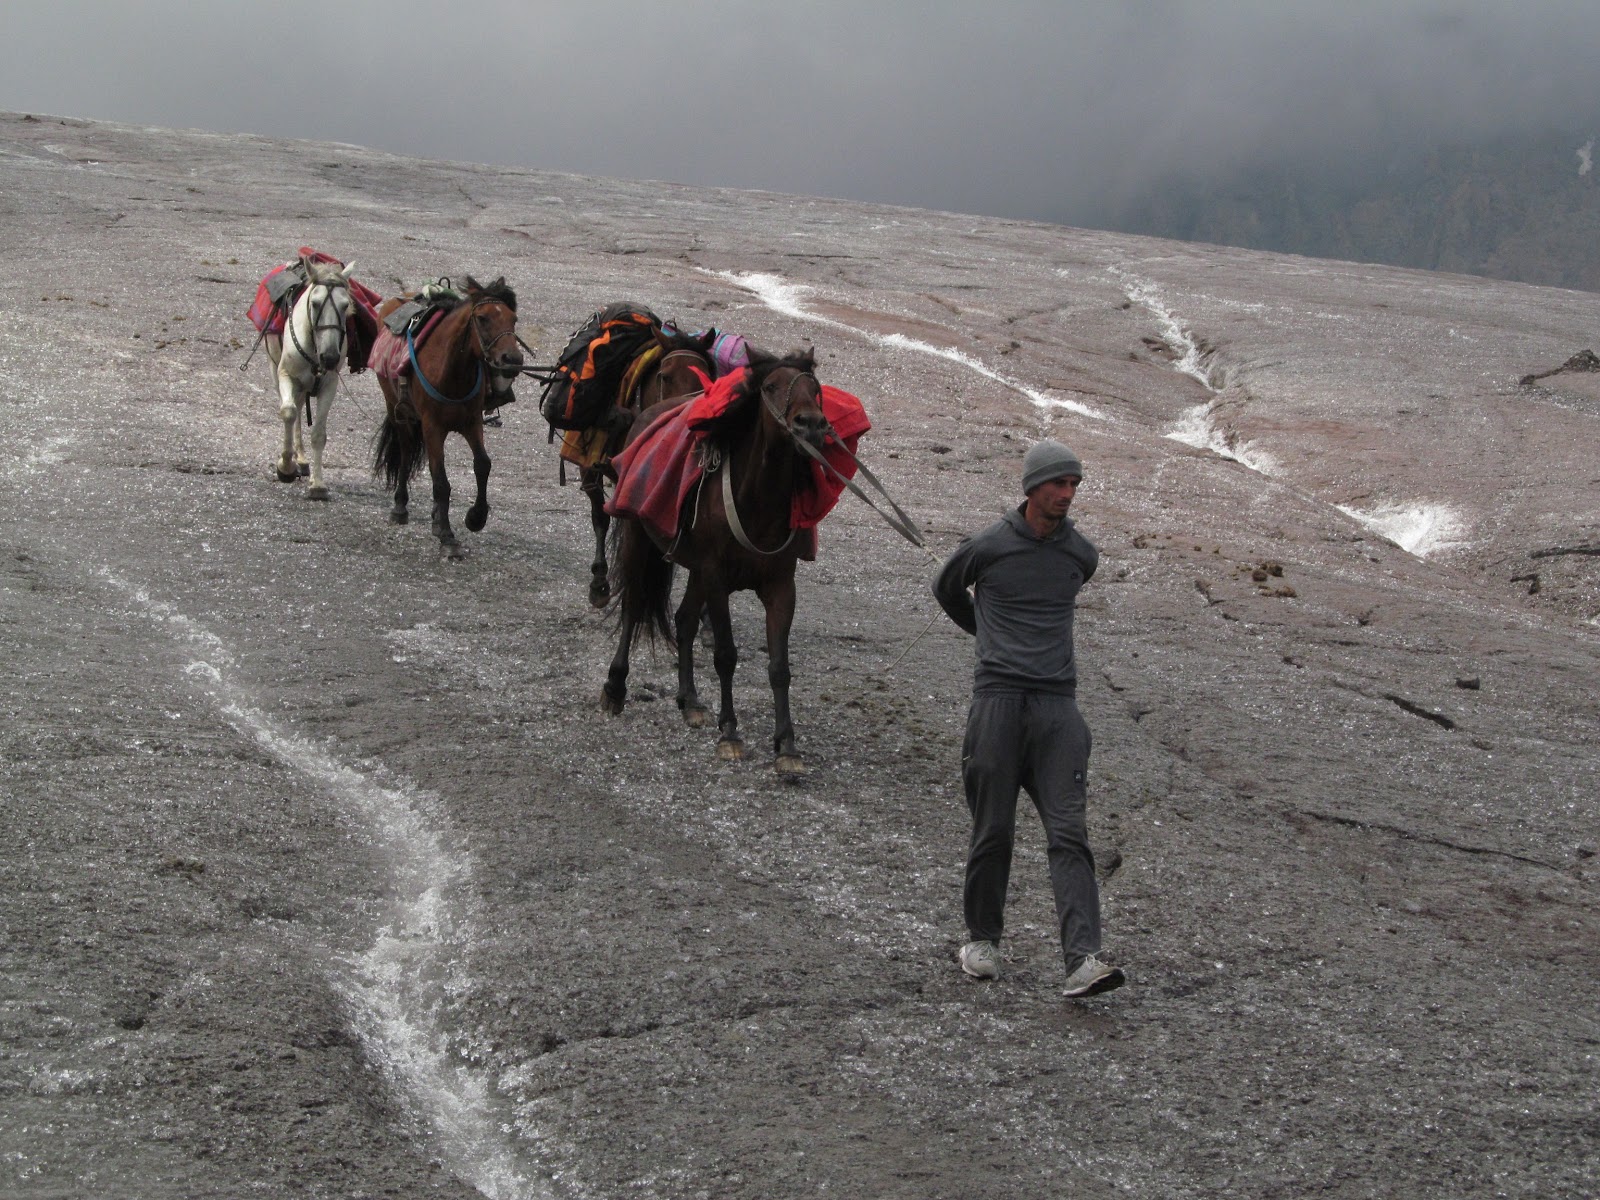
[981, 960]
[1093, 977]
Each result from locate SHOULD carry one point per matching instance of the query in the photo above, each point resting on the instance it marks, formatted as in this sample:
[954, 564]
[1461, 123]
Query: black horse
[734, 536]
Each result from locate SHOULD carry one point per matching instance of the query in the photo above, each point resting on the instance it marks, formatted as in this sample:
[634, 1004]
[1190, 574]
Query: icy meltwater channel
[784, 297]
[398, 990]
[1421, 528]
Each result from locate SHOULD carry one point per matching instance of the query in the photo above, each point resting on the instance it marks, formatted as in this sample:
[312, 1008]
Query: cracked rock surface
[325, 876]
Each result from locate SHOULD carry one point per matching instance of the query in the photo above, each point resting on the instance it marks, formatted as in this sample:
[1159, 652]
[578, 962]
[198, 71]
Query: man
[1024, 729]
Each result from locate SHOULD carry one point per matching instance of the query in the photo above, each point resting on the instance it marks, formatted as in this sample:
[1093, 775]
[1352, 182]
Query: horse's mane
[743, 405]
[497, 289]
[320, 272]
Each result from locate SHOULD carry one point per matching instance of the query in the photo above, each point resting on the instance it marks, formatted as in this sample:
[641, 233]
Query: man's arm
[950, 588]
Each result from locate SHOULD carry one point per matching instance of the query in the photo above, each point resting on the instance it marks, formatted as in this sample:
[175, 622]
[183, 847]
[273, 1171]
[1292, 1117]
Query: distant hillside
[1526, 209]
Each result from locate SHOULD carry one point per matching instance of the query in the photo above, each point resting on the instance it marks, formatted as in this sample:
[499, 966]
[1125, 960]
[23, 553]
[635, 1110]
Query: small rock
[1470, 683]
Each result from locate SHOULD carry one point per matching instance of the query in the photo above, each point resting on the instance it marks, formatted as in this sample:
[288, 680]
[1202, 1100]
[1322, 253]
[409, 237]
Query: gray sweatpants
[1039, 742]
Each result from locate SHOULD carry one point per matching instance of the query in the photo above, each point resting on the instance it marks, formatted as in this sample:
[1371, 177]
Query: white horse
[308, 367]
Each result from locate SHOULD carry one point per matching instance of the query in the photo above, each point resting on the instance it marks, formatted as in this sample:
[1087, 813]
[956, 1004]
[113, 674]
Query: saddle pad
[275, 292]
[389, 358]
[728, 355]
[845, 413]
[656, 474]
[284, 280]
[403, 316]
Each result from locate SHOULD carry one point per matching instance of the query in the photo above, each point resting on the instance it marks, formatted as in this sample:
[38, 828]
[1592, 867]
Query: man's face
[1054, 496]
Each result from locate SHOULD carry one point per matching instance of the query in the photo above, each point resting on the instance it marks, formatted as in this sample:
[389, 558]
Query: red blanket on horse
[656, 474]
[390, 359]
[361, 327]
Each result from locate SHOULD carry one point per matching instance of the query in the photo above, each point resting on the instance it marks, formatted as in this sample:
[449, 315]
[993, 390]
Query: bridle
[485, 367]
[729, 508]
[781, 416]
[899, 522]
[659, 379]
[314, 319]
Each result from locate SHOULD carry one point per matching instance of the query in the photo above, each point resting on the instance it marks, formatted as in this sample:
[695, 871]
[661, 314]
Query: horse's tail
[641, 581]
[396, 451]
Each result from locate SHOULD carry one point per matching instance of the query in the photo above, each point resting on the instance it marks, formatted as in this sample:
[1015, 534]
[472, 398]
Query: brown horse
[472, 352]
[735, 535]
[675, 366]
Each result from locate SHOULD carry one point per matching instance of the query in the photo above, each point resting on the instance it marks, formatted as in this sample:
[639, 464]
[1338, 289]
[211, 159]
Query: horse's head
[791, 397]
[493, 327]
[326, 305]
[684, 364]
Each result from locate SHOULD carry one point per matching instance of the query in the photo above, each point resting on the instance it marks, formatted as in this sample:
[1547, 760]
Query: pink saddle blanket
[389, 358]
[269, 318]
[658, 471]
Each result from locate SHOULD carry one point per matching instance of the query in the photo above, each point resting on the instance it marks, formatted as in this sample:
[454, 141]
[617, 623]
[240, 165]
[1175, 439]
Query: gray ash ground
[324, 875]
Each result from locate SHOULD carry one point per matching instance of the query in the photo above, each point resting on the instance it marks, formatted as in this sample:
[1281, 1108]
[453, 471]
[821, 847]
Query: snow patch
[1586, 157]
[400, 990]
[785, 298]
[1178, 339]
[1198, 428]
[1418, 528]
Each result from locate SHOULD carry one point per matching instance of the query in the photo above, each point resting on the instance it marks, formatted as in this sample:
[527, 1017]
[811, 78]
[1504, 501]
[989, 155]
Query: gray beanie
[1048, 460]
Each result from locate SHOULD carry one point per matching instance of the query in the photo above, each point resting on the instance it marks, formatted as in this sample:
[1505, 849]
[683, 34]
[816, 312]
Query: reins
[314, 319]
[731, 511]
[483, 360]
[900, 522]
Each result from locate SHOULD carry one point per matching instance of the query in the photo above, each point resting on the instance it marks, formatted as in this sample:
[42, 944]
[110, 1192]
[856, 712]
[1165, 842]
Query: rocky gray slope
[325, 876]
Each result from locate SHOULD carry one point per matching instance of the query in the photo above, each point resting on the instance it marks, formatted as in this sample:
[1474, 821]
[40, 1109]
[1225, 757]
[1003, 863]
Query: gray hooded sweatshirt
[1024, 594]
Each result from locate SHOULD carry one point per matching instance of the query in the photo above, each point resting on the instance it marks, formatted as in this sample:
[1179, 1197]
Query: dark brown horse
[734, 535]
[471, 353]
[675, 366]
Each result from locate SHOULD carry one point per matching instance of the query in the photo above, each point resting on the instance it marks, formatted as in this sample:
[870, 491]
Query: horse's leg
[593, 483]
[319, 435]
[289, 414]
[686, 622]
[614, 693]
[778, 599]
[433, 441]
[725, 657]
[302, 468]
[478, 514]
[400, 512]
[397, 446]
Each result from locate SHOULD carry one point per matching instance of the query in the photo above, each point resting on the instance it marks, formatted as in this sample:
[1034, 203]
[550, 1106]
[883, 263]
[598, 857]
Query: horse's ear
[706, 340]
[305, 266]
[347, 268]
[759, 357]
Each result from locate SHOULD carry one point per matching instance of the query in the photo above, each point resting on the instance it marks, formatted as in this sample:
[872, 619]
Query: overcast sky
[1021, 108]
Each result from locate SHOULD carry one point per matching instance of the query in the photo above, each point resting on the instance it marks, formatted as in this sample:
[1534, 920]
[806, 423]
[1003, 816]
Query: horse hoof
[399, 516]
[790, 766]
[452, 551]
[302, 469]
[611, 707]
[477, 520]
[695, 716]
[291, 477]
[318, 492]
[730, 750]
[599, 594]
